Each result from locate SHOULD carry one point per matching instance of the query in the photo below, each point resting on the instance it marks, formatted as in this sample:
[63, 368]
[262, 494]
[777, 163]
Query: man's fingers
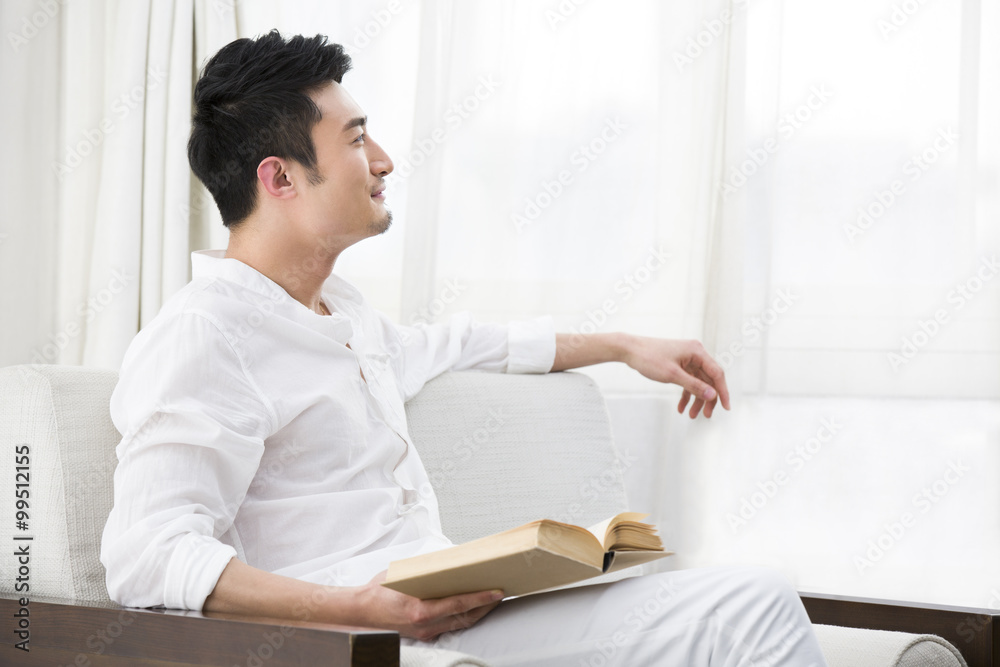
[709, 405]
[469, 618]
[457, 621]
[714, 374]
[699, 389]
[685, 397]
[696, 408]
[459, 604]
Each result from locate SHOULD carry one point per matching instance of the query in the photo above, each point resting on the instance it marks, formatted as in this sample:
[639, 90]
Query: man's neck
[299, 268]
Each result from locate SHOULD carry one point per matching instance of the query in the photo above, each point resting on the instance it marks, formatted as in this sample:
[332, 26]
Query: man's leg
[718, 617]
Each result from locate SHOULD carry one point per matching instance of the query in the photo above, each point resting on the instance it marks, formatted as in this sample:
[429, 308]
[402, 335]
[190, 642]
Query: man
[265, 465]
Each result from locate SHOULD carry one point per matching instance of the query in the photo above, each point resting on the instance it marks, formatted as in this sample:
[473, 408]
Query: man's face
[348, 203]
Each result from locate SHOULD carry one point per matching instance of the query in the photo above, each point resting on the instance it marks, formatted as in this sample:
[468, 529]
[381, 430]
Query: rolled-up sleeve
[193, 428]
[531, 346]
[422, 352]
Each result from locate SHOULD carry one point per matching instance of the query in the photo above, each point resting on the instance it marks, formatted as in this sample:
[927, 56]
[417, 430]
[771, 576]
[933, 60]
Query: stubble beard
[381, 226]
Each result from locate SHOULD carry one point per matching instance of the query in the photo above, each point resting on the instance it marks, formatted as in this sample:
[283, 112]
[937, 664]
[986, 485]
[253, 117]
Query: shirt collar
[336, 290]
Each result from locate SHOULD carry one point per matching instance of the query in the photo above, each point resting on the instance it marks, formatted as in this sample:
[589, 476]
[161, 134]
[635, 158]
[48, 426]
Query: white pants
[718, 617]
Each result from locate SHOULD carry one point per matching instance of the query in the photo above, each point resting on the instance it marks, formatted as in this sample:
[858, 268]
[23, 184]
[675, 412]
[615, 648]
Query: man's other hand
[681, 362]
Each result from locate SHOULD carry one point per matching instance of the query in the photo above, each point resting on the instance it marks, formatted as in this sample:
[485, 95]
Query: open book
[536, 556]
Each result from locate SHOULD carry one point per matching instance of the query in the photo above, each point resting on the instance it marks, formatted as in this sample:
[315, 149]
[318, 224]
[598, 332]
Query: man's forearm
[243, 589]
[681, 362]
[577, 350]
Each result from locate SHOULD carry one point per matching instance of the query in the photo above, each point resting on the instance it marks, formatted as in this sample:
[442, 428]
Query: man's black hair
[252, 101]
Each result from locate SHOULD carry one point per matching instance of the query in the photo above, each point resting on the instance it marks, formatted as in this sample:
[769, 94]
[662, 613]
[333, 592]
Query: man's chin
[383, 225]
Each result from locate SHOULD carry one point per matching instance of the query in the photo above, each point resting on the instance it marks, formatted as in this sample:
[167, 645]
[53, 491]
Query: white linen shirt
[249, 431]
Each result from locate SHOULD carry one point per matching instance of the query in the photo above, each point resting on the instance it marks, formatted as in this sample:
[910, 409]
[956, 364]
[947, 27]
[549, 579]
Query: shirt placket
[383, 411]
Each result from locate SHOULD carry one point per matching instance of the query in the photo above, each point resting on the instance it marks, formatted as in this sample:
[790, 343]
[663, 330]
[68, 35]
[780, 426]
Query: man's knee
[762, 585]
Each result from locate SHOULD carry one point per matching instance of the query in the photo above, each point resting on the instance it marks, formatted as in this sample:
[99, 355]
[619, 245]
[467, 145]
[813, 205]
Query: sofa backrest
[501, 450]
[60, 414]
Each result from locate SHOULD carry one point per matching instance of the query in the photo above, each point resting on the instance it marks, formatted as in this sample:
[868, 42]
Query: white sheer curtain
[878, 207]
[863, 459]
[98, 198]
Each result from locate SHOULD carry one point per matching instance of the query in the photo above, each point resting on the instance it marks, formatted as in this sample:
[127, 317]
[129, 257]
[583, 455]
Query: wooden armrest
[973, 631]
[85, 634]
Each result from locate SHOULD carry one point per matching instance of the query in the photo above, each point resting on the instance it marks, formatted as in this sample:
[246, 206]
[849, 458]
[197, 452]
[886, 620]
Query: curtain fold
[108, 120]
[423, 174]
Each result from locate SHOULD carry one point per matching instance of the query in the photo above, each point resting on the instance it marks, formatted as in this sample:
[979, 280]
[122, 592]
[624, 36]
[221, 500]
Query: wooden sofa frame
[82, 634]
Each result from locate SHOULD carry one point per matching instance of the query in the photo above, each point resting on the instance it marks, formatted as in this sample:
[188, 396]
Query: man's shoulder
[222, 302]
[206, 304]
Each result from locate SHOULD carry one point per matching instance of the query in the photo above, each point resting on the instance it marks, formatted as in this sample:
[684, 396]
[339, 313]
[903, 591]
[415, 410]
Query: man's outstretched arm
[243, 589]
[680, 362]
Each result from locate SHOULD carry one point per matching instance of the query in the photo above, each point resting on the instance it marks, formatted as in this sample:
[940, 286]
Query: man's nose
[380, 163]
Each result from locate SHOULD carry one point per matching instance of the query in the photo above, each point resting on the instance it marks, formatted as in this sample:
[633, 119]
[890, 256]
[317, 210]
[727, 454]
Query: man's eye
[360, 139]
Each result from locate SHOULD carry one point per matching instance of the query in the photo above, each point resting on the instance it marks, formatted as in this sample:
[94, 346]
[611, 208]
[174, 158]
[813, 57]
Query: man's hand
[681, 362]
[243, 589]
[421, 619]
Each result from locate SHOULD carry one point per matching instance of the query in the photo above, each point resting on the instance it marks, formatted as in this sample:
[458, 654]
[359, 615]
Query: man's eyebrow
[360, 121]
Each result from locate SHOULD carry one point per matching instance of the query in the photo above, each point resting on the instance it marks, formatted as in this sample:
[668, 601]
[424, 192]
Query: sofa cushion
[61, 414]
[851, 647]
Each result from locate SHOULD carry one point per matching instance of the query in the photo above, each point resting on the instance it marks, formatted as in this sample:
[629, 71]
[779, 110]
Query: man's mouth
[377, 193]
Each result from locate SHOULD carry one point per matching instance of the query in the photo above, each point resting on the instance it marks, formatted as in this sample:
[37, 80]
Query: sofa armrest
[975, 632]
[84, 634]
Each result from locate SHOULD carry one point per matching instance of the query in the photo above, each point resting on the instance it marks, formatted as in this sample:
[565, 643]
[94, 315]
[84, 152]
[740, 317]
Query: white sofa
[500, 450]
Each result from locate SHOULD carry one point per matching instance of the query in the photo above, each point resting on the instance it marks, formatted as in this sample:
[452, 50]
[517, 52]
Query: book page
[602, 529]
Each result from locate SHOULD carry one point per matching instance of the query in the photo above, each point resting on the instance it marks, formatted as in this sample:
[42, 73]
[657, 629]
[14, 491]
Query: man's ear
[272, 172]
